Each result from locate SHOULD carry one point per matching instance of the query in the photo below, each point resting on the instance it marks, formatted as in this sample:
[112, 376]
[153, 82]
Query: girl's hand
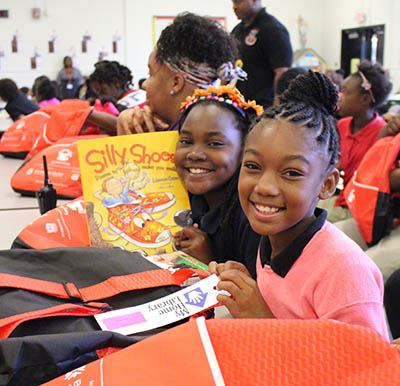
[246, 300]
[392, 128]
[138, 120]
[216, 268]
[194, 242]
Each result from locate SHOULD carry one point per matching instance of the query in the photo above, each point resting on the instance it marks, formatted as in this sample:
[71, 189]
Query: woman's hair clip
[227, 71]
[223, 94]
[366, 85]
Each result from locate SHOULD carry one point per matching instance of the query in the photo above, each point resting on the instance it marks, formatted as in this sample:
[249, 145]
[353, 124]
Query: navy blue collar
[282, 263]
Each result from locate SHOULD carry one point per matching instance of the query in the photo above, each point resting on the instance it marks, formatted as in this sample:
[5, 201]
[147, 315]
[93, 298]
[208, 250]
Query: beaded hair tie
[366, 85]
[223, 94]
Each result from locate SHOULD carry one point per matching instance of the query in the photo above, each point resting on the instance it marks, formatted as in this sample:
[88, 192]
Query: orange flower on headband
[225, 94]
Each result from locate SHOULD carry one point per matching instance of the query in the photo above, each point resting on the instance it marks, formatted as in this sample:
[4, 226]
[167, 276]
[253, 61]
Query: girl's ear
[329, 185]
[365, 100]
[178, 82]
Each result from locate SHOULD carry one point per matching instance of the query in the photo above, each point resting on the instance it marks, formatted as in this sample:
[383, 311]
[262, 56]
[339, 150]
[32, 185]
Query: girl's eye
[293, 173]
[251, 166]
[184, 141]
[216, 144]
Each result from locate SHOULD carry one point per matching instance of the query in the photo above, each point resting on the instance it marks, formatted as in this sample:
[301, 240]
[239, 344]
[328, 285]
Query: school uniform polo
[322, 274]
[354, 146]
[245, 240]
[20, 105]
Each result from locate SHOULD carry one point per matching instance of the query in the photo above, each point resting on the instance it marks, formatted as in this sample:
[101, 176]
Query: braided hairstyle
[244, 117]
[200, 39]
[109, 71]
[379, 80]
[309, 102]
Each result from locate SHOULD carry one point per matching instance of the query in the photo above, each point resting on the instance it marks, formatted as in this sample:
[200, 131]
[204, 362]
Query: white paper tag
[163, 311]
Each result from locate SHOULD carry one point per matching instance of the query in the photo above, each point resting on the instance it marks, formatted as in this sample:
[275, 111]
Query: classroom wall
[340, 14]
[132, 21]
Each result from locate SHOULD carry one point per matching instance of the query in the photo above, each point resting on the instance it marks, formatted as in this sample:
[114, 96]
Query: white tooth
[266, 209]
[197, 170]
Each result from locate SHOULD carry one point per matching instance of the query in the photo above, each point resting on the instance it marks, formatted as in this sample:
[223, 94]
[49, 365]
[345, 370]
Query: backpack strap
[108, 288]
[9, 324]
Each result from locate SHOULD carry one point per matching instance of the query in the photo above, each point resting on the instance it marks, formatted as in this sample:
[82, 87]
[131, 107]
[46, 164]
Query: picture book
[136, 198]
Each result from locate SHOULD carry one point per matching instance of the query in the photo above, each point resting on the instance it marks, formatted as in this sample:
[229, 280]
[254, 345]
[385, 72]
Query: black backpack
[48, 297]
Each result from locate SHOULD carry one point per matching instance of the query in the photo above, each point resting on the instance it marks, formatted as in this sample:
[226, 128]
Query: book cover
[134, 197]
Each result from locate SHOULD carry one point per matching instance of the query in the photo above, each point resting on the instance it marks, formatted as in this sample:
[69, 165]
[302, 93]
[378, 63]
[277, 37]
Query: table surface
[16, 211]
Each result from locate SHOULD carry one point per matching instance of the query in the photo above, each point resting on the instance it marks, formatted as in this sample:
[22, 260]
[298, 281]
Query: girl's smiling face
[208, 151]
[283, 175]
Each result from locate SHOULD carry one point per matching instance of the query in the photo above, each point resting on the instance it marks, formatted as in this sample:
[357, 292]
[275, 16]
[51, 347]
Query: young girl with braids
[306, 267]
[362, 93]
[112, 83]
[207, 158]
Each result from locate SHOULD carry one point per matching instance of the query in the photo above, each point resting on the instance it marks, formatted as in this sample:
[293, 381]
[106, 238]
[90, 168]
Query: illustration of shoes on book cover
[134, 222]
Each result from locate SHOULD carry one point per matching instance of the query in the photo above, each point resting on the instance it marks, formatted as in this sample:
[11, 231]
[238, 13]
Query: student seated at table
[18, 105]
[207, 158]
[306, 267]
[385, 253]
[361, 94]
[45, 92]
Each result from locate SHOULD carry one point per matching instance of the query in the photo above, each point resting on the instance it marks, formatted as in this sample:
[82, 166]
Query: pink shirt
[331, 279]
[52, 101]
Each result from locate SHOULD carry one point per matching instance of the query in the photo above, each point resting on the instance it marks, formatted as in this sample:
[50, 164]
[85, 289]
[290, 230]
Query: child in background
[44, 92]
[207, 158]
[112, 83]
[18, 105]
[306, 267]
[386, 253]
[362, 93]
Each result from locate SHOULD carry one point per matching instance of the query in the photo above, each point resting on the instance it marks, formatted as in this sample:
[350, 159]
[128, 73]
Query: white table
[12, 222]
[8, 198]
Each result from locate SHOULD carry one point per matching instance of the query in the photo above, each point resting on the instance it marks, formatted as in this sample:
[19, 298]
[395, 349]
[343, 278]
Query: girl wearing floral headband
[362, 93]
[192, 52]
[207, 158]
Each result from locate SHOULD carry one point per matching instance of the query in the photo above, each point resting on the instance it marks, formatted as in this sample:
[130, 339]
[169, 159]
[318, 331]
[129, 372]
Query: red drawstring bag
[248, 352]
[44, 127]
[17, 141]
[64, 226]
[63, 167]
[368, 192]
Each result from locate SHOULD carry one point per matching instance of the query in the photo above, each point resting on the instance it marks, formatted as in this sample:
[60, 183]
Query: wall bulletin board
[160, 22]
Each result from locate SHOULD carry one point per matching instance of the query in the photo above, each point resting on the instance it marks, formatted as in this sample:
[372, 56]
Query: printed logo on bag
[196, 297]
[29, 171]
[51, 227]
[20, 125]
[75, 177]
[251, 38]
[351, 196]
[77, 206]
[74, 373]
[64, 155]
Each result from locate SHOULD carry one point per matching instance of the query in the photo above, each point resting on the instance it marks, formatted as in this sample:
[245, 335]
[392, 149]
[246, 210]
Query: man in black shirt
[265, 50]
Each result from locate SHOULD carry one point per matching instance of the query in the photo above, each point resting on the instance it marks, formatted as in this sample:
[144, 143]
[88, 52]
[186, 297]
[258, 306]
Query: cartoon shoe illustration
[138, 228]
[152, 202]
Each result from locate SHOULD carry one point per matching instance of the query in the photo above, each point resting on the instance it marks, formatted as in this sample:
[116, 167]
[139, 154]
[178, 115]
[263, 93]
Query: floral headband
[202, 75]
[223, 94]
[366, 85]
